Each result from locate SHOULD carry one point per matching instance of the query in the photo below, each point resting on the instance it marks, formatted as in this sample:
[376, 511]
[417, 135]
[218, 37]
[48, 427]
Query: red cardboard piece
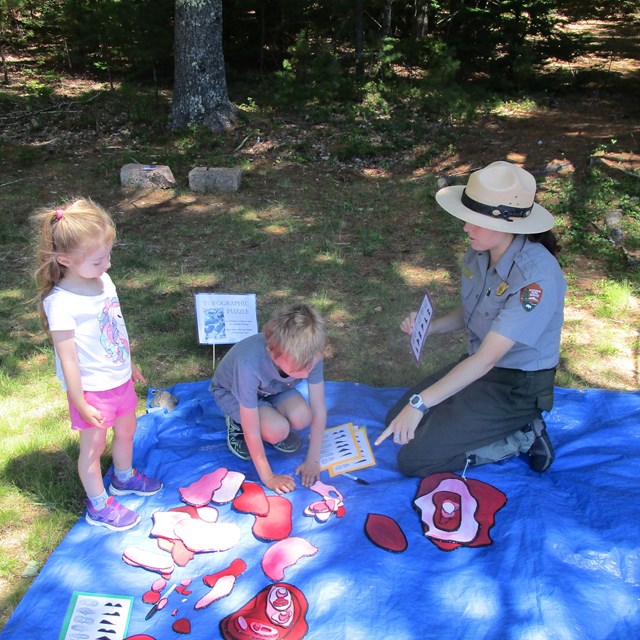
[276, 525]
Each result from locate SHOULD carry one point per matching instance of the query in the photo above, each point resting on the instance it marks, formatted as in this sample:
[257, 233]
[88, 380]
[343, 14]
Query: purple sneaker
[138, 483]
[114, 516]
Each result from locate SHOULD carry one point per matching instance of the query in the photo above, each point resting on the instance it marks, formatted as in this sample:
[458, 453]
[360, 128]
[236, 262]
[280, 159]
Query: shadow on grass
[49, 478]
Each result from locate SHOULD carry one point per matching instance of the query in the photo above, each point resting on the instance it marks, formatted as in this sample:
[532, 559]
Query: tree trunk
[200, 86]
[420, 19]
[359, 37]
[386, 18]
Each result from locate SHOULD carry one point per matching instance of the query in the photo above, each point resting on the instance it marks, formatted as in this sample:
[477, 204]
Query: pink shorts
[111, 404]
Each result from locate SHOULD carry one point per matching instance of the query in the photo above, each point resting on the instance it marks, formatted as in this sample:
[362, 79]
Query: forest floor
[560, 136]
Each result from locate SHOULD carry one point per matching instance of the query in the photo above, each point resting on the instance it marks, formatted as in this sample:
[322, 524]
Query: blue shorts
[230, 406]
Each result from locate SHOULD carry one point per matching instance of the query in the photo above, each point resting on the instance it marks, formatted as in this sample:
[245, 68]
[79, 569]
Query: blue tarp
[564, 563]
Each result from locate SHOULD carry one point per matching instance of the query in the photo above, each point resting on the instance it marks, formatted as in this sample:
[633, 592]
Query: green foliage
[355, 144]
[614, 298]
[586, 204]
[104, 36]
[310, 46]
[582, 9]
[115, 37]
[311, 75]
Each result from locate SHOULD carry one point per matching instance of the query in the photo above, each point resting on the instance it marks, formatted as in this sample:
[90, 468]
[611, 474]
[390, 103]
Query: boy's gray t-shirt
[248, 373]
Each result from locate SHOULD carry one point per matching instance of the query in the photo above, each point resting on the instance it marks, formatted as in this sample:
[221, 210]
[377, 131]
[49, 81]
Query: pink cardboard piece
[200, 536]
[326, 490]
[149, 560]
[199, 493]
[159, 584]
[164, 523]
[180, 554]
[229, 488]
[283, 554]
[208, 514]
[221, 589]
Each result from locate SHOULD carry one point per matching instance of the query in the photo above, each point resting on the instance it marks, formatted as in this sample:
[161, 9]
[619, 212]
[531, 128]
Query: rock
[31, 570]
[613, 217]
[208, 179]
[612, 222]
[147, 176]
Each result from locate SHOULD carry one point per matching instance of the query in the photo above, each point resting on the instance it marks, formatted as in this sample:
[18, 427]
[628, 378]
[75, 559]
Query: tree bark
[386, 18]
[359, 37]
[200, 86]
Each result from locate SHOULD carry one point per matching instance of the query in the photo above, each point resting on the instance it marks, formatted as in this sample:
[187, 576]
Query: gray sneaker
[290, 444]
[235, 439]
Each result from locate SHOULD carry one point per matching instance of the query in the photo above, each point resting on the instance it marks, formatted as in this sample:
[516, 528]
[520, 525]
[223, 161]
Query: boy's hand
[281, 483]
[309, 472]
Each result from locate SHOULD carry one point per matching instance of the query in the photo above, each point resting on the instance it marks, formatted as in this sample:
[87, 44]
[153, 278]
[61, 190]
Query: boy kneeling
[255, 386]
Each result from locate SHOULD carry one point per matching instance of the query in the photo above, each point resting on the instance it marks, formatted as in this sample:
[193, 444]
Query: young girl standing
[80, 308]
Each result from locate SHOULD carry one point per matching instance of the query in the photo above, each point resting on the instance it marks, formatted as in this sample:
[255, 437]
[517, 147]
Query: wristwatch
[416, 402]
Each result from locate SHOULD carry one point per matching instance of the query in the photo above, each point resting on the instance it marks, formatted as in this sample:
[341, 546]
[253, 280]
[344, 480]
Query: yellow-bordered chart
[346, 448]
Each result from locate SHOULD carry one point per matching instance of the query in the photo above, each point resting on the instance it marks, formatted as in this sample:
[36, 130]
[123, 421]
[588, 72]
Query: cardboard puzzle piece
[285, 553]
[277, 524]
[385, 533]
[276, 612]
[457, 511]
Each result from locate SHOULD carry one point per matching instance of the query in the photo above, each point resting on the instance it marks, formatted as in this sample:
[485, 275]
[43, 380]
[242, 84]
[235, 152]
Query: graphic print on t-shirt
[113, 334]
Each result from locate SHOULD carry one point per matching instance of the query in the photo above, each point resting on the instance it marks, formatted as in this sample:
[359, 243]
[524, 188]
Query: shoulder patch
[530, 296]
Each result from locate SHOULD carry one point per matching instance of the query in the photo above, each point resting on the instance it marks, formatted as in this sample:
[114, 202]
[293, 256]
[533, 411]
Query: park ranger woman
[488, 406]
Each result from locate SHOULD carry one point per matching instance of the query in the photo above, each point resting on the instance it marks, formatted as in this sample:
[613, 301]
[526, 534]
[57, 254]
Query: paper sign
[93, 616]
[225, 318]
[421, 327]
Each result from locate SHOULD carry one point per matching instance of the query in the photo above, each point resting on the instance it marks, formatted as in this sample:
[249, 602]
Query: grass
[614, 298]
[312, 221]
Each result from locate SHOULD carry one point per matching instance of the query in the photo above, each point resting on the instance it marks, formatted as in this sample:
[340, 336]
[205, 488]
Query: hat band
[502, 211]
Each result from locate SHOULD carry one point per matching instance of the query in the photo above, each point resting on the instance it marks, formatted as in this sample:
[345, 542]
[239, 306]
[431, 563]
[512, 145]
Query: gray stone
[147, 176]
[31, 570]
[208, 179]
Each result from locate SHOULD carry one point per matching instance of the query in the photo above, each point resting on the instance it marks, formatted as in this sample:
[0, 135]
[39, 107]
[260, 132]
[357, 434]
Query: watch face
[417, 403]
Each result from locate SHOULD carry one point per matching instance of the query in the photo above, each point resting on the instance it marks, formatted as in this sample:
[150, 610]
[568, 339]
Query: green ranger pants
[487, 419]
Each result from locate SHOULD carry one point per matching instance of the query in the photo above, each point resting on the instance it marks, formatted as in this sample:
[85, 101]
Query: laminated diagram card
[346, 448]
[94, 616]
[421, 327]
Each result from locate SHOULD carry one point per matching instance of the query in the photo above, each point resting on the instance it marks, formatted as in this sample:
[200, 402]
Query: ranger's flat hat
[499, 197]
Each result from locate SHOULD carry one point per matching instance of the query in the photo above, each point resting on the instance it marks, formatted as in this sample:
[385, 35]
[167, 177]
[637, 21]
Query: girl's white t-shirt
[99, 332]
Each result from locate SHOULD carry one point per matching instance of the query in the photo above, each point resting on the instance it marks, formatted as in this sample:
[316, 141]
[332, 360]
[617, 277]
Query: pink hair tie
[59, 213]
